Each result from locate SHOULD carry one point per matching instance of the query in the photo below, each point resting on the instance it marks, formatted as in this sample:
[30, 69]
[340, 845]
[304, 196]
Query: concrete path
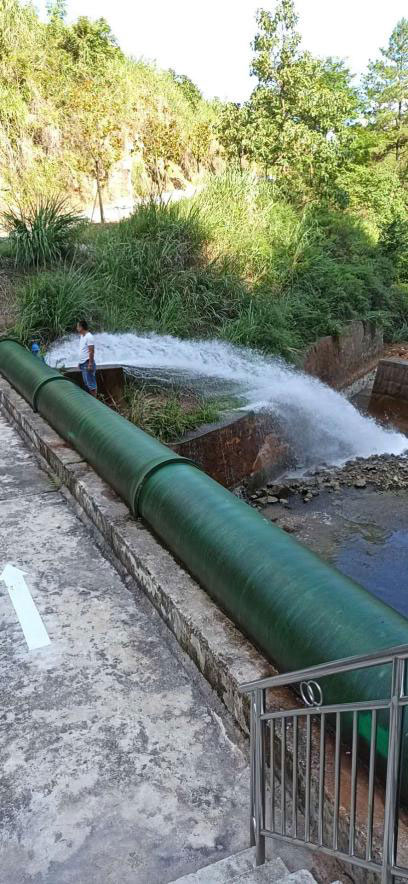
[117, 762]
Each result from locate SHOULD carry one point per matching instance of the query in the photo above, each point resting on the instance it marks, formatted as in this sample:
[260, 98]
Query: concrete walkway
[117, 762]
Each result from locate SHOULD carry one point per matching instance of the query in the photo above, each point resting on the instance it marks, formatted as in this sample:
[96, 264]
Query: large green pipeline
[294, 607]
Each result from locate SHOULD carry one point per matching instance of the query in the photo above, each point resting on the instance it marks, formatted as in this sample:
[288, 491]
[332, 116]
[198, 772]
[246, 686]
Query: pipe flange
[42, 384]
[152, 467]
[12, 340]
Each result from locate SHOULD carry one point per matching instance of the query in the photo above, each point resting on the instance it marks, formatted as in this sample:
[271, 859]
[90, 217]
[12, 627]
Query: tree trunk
[397, 146]
[99, 190]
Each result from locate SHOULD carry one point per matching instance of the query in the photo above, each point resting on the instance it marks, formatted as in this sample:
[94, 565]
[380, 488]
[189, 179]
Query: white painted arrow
[33, 628]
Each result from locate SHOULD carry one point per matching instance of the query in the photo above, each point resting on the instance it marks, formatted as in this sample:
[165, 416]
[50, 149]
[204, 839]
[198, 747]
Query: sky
[209, 40]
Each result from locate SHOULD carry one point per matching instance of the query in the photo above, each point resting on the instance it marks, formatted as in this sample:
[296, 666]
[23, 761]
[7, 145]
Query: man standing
[87, 357]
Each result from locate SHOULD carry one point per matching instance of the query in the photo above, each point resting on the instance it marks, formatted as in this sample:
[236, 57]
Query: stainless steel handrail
[335, 667]
[289, 799]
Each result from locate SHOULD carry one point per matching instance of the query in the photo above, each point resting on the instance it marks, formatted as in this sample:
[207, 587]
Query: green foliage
[394, 245]
[373, 192]
[269, 262]
[71, 101]
[56, 9]
[232, 131]
[154, 267]
[395, 316]
[300, 108]
[91, 43]
[51, 302]
[42, 233]
[188, 88]
[238, 263]
[386, 89]
[168, 416]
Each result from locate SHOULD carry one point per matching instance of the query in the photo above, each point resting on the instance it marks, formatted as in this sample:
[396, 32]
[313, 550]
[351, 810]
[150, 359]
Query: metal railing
[316, 778]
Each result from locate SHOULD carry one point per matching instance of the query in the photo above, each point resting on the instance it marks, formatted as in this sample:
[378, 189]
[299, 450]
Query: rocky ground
[385, 472]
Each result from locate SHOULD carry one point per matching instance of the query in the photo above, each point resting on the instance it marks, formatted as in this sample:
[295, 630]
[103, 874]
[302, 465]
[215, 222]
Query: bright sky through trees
[209, 39]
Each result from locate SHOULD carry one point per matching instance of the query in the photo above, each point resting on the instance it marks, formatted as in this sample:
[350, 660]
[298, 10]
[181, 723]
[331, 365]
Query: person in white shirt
[87, 357]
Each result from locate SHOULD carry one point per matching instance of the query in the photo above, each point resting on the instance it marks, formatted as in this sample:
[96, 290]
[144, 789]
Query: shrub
[51, 302]
[42, 233]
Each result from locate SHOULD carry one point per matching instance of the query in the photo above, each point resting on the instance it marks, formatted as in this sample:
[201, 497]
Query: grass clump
[159, 276]
[51, 302]
[42, 233]
[168, 416]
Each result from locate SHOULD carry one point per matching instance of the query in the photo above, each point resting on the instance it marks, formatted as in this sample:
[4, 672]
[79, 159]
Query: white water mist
[320, 424]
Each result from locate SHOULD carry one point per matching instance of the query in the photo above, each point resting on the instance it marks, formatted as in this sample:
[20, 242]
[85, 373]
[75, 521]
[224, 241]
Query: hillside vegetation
[301, 223]
[76, 115]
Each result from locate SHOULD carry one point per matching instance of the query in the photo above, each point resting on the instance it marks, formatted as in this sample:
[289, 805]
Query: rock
[272, 500]
[283, 500]
[278, 490]
[360, 483]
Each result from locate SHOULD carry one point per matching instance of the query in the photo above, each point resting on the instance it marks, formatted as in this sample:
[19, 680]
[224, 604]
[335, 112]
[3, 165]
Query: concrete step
[273, 871]
[241, 869]
[301, 877]
[234, 868]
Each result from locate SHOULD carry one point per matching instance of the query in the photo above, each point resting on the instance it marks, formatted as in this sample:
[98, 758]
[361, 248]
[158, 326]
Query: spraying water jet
[319, 424]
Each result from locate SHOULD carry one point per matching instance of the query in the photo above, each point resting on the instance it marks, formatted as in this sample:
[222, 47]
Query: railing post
[259, 777]
[393, 772]
[252, 819]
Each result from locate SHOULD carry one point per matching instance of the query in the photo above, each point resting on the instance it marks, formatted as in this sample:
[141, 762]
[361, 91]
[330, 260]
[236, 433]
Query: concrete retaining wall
[249, 448]
[339, 360]
[110, 380]
[392, 379]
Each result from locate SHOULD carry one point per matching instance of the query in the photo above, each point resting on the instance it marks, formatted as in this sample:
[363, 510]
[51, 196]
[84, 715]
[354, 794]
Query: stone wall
[339, 360]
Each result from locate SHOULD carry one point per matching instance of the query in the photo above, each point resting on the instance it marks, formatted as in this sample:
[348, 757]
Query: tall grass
[51, 302]
[167, 416]
[42, 233]
[236, 262]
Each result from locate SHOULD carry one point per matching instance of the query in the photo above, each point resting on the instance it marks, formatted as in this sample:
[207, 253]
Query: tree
[94, 129]
[189, 89]
[57, 10]
[91, 43]
[301, 106]
[200, 140]
[232, 132]
[386, 89]
[162, 145]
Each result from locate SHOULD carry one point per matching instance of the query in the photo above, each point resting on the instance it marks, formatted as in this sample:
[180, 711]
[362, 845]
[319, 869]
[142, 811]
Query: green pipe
[295, 608]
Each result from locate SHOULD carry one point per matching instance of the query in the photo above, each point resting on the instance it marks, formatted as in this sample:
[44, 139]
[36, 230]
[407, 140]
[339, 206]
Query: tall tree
[386, 87]
[301, 105]
[94, 128]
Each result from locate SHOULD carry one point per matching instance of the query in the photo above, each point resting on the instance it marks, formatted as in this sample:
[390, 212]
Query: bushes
[51, 303]
[42, 233]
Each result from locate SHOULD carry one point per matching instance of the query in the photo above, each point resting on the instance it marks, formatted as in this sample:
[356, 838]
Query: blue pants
[88, 375]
